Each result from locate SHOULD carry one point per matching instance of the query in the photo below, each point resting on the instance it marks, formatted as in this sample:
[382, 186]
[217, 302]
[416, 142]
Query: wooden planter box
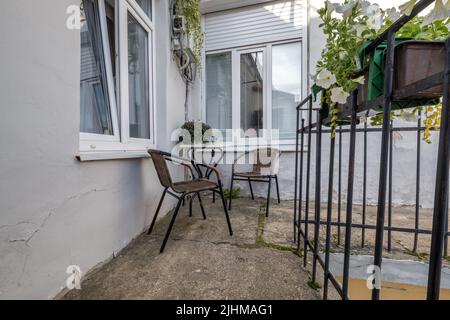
[417, 60]
[362, 97]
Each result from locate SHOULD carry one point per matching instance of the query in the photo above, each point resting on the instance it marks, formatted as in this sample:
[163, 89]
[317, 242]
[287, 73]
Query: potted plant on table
[194, 133]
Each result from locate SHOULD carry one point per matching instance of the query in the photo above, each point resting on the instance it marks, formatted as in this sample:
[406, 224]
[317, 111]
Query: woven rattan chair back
[161, 167]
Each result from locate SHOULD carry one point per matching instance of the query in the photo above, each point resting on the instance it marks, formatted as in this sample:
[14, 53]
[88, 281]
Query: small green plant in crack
[419, 255]
[335, 238]
[261, 223]
[234, 194]
[279, 247]
[263, 243]
[314, 285]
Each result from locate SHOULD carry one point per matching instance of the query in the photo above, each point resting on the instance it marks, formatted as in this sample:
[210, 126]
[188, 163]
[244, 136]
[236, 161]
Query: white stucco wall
[54, 210]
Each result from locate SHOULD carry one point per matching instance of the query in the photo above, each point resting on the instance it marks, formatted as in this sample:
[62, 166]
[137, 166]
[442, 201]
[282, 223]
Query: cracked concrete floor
[201, 260]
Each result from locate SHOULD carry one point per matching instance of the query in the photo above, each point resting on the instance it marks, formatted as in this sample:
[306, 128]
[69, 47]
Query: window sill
[111, 155]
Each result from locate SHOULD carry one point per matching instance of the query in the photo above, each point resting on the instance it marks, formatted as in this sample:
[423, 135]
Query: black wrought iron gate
[439, 232]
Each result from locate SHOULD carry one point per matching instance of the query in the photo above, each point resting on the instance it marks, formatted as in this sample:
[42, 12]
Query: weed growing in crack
[263, 243]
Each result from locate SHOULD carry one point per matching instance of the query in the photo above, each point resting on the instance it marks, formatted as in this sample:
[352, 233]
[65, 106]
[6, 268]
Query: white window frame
[267, 109]
[98, 146]
[236, 81]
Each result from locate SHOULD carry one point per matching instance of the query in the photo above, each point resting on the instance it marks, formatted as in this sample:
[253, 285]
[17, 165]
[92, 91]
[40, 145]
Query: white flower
[346, 9]
[439, 12]
[407, 7]
[407, 116]
[364, 4]
[332, 6]
[338, 95]
[360, 28]
[370, 10]
[359, 80]
[392, 14]
[342, 55]
[325, 79]
[375, 22]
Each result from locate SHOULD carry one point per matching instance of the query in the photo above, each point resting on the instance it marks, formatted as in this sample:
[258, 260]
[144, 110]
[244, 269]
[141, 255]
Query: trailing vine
[339, 60]
[190, 9]
[432, 121]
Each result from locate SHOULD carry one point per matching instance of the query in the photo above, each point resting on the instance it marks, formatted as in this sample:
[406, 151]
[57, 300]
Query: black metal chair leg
[190, 207]
[231, 191]
[201, 205]
[157, 212]
[169, 230]
[251, 189]
[225, 208]
[268, 198]
[278, 189]
[214, 197]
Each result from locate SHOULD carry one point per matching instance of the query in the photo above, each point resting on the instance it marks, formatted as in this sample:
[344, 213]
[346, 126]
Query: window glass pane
[286, 88]
[219, 91]
[252, 92]
[138, 79]
[111, 25]
[146, 5]
[95, 113]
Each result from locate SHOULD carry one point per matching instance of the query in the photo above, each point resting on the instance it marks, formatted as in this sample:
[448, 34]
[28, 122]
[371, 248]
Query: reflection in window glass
[138, 79]
[252, 95]
[146, 5]
[286, 88]
[111, 26]
[95, 113]
[219, 91]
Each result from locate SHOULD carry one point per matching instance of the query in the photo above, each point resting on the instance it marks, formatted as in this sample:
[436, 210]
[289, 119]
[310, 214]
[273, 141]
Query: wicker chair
[180, 190]
[214, 156]
[265, 168]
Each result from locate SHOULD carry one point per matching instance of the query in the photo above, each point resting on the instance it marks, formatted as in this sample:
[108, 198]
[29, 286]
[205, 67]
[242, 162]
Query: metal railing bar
[419, 86]
[297, 124]
[376, 129]
[349, 209]
[364, 200]
[340, 184]
[440, 214]
[388, 81]
[373, 227]
[308, 170]
[417, 208]
[336, 284]
[329, 216]
[317, 197]
[301, 183]
[304, 101]
[391, 143]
